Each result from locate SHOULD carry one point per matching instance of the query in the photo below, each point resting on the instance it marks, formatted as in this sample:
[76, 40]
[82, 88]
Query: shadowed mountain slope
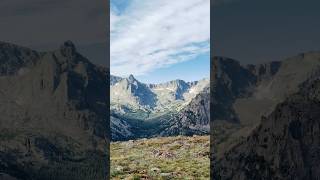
[244, 140]
[284, 146]
[53, 114]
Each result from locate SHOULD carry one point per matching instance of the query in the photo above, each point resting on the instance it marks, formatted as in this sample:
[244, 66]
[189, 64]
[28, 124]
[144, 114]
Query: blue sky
[193, 70]
[120, 5]
[160, 40]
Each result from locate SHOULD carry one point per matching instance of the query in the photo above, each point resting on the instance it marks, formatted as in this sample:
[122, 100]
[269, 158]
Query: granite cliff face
[53, 114]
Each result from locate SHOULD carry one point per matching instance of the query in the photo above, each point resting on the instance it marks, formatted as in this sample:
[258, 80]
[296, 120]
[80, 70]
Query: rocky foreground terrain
[53, 108]
[178, 157]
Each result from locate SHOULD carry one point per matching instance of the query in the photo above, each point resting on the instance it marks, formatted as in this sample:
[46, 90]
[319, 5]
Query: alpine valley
[140, 110]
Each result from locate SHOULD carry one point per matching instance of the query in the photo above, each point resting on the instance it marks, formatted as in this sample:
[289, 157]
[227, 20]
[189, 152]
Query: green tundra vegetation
[177, 157]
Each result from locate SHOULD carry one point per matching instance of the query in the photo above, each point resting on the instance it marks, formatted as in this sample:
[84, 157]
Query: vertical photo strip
[265, 90]
[160, 89]
[53, 90]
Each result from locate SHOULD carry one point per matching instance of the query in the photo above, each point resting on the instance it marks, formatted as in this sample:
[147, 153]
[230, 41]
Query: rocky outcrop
[192, 119]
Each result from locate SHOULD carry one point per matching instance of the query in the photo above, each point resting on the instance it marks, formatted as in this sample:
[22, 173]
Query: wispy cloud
[150, 34]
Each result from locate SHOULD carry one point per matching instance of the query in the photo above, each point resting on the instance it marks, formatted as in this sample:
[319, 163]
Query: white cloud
[152, 34]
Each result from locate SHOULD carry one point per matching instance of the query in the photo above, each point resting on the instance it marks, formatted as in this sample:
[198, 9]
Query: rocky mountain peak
[68, 49]
[179, 82]
[129, 91]
[131, 78]
[13, 58]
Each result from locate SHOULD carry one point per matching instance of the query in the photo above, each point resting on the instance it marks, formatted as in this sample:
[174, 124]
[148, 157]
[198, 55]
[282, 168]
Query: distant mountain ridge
[153, 97]
[147, 110]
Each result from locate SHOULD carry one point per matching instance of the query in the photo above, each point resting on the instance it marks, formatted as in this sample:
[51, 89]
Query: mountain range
[53, 108]
[265, 120]
[141, 110]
